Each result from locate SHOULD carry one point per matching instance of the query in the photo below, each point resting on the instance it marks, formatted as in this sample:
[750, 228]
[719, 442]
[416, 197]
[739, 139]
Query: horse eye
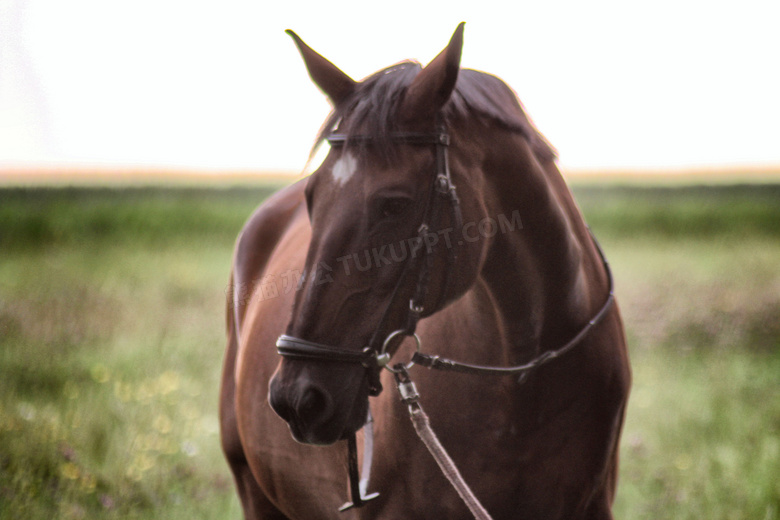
[393, 207]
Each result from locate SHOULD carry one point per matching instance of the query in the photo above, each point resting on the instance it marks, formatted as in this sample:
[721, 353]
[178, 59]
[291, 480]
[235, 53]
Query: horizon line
[42, 175]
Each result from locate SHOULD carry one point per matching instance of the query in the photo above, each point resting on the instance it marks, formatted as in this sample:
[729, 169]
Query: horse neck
[541, 273]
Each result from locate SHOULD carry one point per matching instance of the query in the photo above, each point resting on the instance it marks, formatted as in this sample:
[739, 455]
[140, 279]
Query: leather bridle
[375, 356]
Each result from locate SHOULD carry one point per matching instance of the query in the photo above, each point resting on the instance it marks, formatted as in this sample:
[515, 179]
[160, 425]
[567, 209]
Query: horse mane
[374, 106]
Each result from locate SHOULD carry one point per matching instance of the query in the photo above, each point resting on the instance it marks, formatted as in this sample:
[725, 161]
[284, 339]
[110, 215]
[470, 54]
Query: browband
[440, 138]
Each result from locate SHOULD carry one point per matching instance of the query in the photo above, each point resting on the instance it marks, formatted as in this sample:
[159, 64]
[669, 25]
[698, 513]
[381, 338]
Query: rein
[374, 356]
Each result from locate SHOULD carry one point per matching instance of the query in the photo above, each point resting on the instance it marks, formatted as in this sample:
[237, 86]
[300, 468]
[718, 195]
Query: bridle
[375, 355]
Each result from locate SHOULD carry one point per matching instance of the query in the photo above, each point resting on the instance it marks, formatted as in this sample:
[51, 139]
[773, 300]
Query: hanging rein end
[358, 502]
[358, 498]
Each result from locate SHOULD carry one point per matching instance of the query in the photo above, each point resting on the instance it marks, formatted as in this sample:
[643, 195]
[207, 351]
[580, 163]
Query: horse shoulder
[263, 230]
[254, 245]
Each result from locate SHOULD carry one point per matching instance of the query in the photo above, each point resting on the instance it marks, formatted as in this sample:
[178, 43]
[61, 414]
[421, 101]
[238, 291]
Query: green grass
[702, 435]
[697, 211]
[110, 360]
[42, 217]
[112, 335]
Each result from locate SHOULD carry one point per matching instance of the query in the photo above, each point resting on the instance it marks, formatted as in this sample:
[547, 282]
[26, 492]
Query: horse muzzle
[321, 404]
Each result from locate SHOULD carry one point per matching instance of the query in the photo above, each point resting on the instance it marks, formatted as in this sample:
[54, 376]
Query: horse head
[366, 205]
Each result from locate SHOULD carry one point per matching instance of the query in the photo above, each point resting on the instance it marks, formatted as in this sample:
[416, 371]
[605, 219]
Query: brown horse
[333, 261]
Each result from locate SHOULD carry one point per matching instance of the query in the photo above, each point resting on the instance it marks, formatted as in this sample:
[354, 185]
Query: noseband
[375, 355]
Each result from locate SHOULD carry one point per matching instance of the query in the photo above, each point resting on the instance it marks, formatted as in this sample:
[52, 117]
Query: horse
[438, 216]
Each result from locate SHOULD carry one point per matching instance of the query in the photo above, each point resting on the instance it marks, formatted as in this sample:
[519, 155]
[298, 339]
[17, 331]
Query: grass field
[111, 342]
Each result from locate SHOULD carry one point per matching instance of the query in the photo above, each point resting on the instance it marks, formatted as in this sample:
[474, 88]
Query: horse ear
[329, 78]
[433, 85]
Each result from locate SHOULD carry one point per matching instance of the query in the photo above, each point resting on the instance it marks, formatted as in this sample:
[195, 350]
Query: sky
[218, 85]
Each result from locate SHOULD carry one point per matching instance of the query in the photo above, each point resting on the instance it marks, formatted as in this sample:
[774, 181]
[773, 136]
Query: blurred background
[220, 86]
[136, 138]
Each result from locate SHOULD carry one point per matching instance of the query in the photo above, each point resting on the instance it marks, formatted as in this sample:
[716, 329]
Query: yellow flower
[162, 423]
[88, 483]
[134, 473]
[683, 461]
[143, 462]
[144, 392]
[168, 382]
[123, 391]
[70, 471]
[100, 373]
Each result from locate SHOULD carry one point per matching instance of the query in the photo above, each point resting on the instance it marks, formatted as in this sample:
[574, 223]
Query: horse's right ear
[431, 88]
[329, 78]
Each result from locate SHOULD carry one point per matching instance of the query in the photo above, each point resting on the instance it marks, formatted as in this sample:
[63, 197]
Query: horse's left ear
[433, 85]
[329, 78]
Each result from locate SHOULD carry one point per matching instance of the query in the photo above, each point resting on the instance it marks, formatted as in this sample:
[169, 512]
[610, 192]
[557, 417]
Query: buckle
[443, 184]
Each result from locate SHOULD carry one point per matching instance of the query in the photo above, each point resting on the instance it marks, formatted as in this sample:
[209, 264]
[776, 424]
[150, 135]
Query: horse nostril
[280, 405]
[301, 404]
[313, 405]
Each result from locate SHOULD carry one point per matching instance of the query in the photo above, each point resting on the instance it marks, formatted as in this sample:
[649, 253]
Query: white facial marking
[344, 169]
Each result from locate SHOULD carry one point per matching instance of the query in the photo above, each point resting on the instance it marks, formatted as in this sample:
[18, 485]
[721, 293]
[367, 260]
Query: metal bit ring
[383, 353]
